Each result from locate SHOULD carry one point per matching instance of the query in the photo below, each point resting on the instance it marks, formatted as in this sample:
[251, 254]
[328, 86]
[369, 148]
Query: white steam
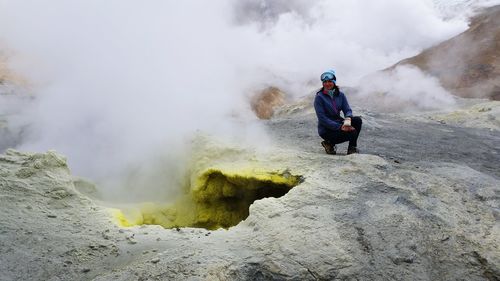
[120, 81]
[462, 8]
[405, 88]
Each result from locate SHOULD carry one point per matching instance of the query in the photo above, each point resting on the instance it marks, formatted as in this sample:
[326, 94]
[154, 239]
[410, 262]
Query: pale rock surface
[484, 114]
[421, 203]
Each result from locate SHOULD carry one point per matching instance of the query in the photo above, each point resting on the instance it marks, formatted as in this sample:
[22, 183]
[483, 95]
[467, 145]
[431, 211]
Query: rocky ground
[420, 203]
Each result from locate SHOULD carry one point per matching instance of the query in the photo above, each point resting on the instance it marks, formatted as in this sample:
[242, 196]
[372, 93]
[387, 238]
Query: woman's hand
[347, 128]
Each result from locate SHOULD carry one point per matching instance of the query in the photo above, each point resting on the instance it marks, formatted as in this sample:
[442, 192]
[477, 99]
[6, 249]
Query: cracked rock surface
[420, 203]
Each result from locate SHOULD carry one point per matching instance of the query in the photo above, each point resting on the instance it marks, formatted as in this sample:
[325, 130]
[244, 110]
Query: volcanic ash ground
[420, 203]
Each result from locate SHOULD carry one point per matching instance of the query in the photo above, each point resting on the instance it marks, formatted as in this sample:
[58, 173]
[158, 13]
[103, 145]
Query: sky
[122, 85]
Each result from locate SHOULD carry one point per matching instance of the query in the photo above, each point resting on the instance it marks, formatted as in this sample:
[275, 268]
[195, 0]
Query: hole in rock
[215, 199]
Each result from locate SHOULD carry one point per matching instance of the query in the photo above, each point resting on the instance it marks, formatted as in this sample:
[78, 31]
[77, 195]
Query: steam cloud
[119, 82]
[405, 88]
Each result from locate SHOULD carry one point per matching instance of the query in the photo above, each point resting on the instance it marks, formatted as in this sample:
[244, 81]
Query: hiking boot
[351, 150]
[329, 148]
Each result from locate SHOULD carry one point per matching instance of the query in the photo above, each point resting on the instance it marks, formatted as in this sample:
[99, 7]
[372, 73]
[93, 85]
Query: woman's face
[328, 85]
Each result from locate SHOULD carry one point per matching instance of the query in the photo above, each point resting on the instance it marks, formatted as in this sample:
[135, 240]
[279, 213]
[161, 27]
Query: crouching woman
[332, 128]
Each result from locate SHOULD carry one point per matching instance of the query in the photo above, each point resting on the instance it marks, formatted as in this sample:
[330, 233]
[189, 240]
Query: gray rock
[432, 216]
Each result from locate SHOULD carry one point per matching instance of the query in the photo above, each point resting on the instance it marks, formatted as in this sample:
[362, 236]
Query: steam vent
[216, 199]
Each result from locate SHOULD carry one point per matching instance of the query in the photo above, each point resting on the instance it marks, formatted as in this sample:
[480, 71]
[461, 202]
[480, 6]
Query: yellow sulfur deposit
[216, 199]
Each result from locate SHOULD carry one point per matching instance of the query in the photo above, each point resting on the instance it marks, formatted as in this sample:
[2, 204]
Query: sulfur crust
[217, 198]
[482, 115]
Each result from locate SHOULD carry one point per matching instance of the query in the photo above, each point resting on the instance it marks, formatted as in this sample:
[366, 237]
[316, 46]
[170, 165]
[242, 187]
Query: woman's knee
[356, 120]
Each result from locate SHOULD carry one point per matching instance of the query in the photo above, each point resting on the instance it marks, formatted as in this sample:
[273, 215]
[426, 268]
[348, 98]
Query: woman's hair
[337, 90]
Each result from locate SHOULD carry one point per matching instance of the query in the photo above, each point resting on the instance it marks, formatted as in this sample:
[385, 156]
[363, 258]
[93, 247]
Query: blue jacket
[328, 111]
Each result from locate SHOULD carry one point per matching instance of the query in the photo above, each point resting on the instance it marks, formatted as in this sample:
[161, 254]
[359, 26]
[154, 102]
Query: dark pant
[335, 137]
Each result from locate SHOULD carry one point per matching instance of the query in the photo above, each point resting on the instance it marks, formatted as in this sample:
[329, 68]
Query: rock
[106, 234]
[433, 216]
[264, 102]
[472, 116]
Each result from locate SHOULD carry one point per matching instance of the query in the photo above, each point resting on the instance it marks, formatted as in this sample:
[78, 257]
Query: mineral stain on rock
[218, 199]
[265, 102]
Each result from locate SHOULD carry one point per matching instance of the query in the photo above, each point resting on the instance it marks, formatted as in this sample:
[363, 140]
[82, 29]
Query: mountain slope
[468, 64]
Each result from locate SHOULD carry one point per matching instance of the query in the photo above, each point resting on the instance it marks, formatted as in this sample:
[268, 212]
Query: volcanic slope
[468, 64]
[420, 203]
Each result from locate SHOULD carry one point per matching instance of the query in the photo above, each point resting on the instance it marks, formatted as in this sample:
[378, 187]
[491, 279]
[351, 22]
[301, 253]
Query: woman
[334, 129]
